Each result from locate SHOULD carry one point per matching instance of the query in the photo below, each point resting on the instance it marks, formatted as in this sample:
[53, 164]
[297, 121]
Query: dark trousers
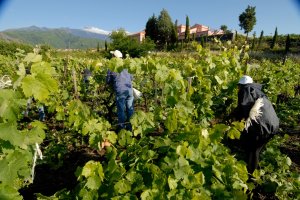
[253, 144]
[253, 157]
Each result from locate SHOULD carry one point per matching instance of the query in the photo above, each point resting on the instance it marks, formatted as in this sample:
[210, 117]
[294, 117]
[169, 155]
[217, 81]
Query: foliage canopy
[247, 19]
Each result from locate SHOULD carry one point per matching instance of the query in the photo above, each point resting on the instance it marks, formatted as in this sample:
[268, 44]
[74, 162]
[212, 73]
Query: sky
[132, 15]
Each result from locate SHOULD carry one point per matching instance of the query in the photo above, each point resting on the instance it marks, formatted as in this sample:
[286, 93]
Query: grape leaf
[8, 192]
[10, 103]
[122, 187]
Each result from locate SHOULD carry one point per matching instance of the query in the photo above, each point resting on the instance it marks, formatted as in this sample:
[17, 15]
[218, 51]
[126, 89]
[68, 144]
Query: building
[196, 31]
[140, 36]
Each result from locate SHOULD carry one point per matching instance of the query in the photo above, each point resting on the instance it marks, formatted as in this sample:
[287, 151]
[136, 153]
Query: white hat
[245, 80]
[117, 53]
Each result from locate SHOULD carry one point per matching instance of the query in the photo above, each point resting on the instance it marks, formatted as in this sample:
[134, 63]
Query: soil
[292, 149]
[48, 181]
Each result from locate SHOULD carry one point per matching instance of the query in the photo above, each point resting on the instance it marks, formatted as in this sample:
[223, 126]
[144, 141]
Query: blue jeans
[125, 109]
[41, 113]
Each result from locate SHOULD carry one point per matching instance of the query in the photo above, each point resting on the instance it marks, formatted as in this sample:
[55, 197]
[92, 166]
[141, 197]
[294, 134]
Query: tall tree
[187, 29]
[120, 40]
[274, 40]
[128, 45]
[224, 28]
[260, 40]
[151, 28]
[202, 41]
[105, 44]
[98, 47]
[287, 48]
[174, 38]
[287, 44]
[236, 36]
[247, 20]
[165, 28]
[253, 40]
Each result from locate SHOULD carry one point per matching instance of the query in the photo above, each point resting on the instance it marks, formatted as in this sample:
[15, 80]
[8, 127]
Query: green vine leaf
[122, 187]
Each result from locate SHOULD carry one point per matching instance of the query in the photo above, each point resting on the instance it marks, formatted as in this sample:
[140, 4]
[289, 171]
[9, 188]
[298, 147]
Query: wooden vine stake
[75, 84]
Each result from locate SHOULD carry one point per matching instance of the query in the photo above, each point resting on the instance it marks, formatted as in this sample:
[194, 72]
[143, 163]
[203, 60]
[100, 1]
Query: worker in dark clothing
[87, 74]
[30, 101]
[261, 121]
[122, 84]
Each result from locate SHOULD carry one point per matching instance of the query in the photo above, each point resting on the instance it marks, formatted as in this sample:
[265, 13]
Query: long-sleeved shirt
[120, 81]
[86, 74]
[252, 101]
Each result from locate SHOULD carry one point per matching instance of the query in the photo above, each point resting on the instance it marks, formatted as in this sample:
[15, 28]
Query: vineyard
[182, 145]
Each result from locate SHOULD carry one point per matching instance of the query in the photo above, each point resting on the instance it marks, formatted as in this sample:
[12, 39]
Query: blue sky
[132, 15]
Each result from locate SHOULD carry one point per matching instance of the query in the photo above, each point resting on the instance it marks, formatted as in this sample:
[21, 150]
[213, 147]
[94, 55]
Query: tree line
[162, 34]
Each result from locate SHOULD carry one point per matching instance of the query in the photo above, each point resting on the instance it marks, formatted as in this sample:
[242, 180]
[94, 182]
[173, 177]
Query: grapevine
[176, 148]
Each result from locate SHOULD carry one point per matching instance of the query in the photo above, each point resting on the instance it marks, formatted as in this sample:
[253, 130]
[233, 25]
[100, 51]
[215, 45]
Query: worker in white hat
[261, 121]
[117, 54]
[245, 80]
[122, 84]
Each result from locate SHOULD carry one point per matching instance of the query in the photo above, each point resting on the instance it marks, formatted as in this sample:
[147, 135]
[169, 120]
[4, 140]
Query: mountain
[96, 30]
[58, 37]
[89, 32]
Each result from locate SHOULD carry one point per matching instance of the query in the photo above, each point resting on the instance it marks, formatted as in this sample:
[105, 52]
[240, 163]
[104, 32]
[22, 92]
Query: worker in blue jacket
[122, 84]
[261, 121]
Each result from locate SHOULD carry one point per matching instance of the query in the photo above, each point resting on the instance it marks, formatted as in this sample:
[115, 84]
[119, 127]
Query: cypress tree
[175, 34]
[202, 41]
[260, 39]
[287, 44]
[236, 36]
[105, 45]
[165, 28]
[187, 29]
[253, 40]
[151, 28]
[287, 48]
[274, 40]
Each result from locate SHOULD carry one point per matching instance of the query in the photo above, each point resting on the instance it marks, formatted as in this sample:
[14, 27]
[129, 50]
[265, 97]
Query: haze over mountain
[61, 38]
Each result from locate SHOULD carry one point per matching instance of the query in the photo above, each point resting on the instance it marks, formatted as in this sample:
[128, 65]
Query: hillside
[60, 38]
